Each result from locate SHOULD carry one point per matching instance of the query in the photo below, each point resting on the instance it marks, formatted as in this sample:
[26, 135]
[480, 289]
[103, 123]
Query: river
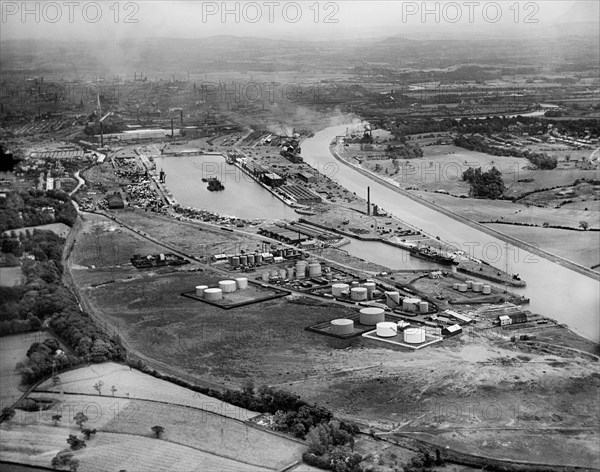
[555, 291]
[242, 197]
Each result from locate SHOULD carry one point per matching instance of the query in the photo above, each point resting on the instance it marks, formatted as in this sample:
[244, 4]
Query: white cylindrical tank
[372, 316]
[282, 273]
[265, 277]
[370, 286]
[387, 329]
[392, 299]
[342, 327]
[410, 304]
[314, 269]
[337, 289]
[244, 260]
[213, 294]
[414, 335]
[301, 269]
[477, 286]
[354, 283]
[259, 258]
[200, 290]
[455, 286]
[423, 307]
[235, 261]
[274, 273]
[358, 294]
[290, 272]
[242, 283]
[227, 286]
[469, 284]
[462, 287]
[251, 259]
[486, 289]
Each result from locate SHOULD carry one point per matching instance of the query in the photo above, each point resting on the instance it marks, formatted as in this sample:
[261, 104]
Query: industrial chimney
[369, 201]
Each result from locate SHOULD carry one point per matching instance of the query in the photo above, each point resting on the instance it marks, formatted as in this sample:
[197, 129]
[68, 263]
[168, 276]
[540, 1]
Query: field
[11, 276]
[12, 350]
[578, 246]
[136, 385]
[199, 430]
[59, 228]
[110, 451]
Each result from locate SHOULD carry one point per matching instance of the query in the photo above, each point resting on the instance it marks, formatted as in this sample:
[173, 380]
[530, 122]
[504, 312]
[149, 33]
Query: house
[504, 320]
[452, 330]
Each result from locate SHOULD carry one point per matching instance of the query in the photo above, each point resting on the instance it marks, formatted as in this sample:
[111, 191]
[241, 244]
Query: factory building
[273, 180]
[115, 201]
[282, 234]
[306, 177]
[300, 194]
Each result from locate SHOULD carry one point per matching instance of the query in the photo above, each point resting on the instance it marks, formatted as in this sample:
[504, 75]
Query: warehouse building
[300, 194]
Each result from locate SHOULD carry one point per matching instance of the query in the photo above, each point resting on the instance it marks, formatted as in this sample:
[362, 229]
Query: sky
[296, 20]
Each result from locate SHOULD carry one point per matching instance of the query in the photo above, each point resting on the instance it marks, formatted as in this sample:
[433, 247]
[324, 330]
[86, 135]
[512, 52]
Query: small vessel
[215, 184]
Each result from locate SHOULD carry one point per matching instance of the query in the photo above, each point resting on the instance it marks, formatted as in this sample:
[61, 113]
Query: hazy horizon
[308, 21]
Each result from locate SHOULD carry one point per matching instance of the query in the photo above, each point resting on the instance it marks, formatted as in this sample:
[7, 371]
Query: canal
[555, 291]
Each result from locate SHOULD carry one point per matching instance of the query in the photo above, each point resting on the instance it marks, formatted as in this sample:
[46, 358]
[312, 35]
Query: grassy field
[136, 385]
[11, 276]
[59, 228]
[12, 350]
[578, 246]
[109, 451]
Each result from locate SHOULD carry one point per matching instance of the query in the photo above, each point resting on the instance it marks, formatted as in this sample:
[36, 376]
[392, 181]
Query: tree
[74, 465]
[75, 442]
[98, 386]
[7, 414]
[584, 225]
[62, 458]
[88, 433]
[158, 431]
[56, 419]
[113, 389]
[79, 419]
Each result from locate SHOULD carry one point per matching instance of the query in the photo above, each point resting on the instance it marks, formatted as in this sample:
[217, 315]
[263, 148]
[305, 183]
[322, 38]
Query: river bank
[492, 232]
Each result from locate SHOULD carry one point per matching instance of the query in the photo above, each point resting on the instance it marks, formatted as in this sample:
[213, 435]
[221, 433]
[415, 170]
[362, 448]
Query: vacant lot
[59, 228]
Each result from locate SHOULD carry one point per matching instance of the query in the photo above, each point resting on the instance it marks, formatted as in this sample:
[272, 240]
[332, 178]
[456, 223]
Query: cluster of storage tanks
[303, 269]
[241, 260]
[225, 286]
[355, 291]
[389, 329]
[478, 287]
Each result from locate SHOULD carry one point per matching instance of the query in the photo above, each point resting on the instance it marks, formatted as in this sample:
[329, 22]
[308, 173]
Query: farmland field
[59, 228]
[110, 451]
[136, 385]
[12, 350]
[11, 276]
[578, 246]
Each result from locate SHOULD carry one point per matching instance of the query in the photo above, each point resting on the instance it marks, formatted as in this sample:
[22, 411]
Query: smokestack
[172, 127]
[181, 118]
[369, 201]
[101, 135]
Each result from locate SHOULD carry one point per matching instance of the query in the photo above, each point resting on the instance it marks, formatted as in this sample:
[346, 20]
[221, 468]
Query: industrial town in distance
[275, 245]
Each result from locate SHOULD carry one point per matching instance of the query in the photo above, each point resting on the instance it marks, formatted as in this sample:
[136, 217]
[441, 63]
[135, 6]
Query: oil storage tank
[242, 283]
[387, 329]
[414, 335]
[227, 286]
[314, 269]
[372, 316]
[301, 269]
[410, 304]
[486, 289]
[290, 273]
[370, 286]
[265, 276]
[338, 289]
[244, 260]
[213, 294]
[392, 299]
[423, 307]
[462, 287]
[358, 294]
[341, 327]
[251, 259]
[235, 261]
[200, 290]
[477, 286]
[258, 258]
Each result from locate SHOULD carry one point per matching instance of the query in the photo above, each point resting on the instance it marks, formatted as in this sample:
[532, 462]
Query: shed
[504, 320]
[452, 330]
